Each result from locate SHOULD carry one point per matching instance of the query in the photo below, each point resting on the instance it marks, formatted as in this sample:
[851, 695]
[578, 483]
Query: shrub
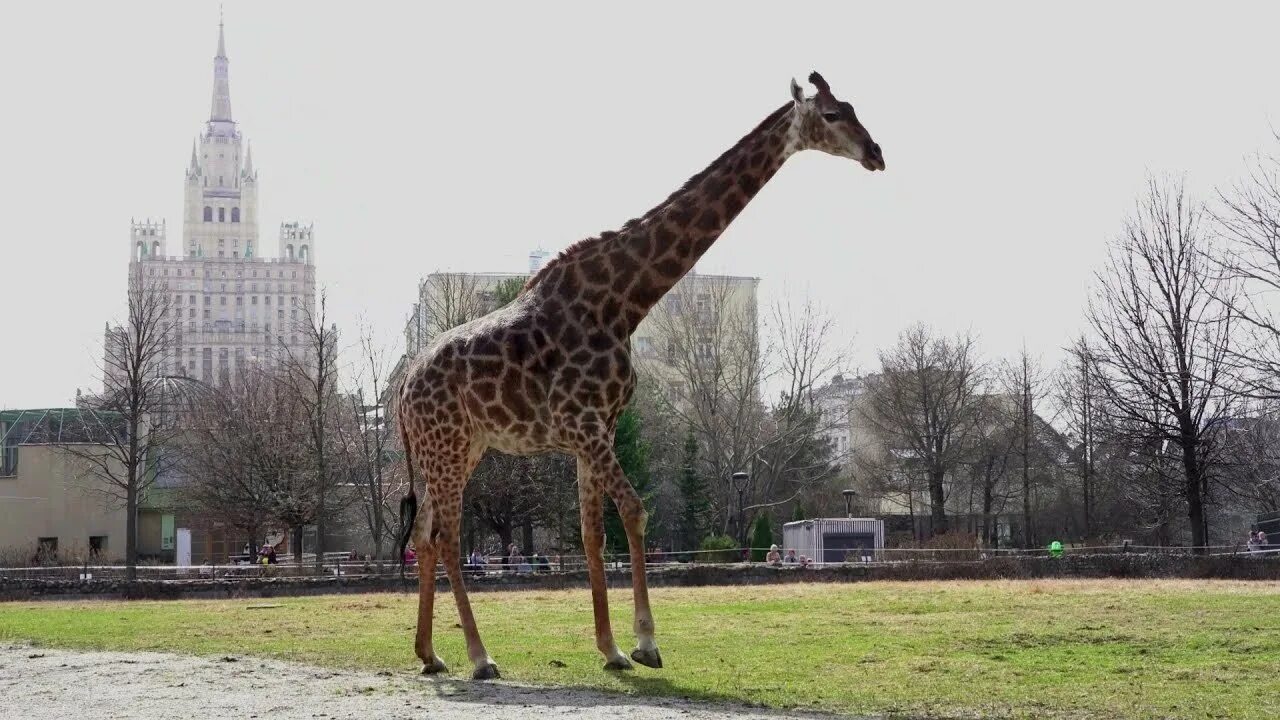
[721, 543]
[761, 538]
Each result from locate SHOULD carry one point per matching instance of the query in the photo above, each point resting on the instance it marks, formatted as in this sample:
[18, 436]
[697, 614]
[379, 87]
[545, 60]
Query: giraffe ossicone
[552, 370]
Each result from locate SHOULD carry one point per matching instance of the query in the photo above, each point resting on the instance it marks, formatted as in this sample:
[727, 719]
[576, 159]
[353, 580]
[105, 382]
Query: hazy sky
[425, 136]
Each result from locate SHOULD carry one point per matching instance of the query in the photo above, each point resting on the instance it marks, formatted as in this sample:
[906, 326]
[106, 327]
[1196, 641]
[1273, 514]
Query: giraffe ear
[797, 93]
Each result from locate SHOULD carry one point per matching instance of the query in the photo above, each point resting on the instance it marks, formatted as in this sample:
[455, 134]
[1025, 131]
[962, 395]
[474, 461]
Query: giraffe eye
[831, 116]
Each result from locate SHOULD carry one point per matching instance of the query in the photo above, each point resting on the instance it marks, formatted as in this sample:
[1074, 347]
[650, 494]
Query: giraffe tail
[408, 510]
[408, 503]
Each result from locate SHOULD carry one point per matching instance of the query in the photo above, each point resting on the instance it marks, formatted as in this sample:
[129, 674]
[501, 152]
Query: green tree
[799, 513]
[507, 290]
[633, 456]
[696, 514]
[761, 537]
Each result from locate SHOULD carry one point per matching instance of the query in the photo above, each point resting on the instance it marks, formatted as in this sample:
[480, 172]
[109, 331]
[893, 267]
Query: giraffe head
[827, 124]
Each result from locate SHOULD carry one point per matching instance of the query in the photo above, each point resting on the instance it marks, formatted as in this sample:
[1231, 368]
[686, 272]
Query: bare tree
[312, 377]
[1026, 384]
[447, 300]
[364, 441]
[1248, 219]
[1165, 338]
[1079, 400]
[923, 406]
[247, 458]
[131, 424]
[715, 371]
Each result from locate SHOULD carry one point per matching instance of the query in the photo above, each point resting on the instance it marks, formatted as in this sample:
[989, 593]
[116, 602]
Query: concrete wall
[47, 498]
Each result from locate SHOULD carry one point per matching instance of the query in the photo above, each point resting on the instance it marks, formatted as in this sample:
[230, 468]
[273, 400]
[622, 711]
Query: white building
[230, 304]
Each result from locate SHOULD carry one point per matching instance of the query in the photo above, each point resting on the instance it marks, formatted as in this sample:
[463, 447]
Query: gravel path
[48, 684]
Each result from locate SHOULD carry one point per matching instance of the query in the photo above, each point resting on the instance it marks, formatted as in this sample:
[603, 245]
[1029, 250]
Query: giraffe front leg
[634, 519]
[591, 504]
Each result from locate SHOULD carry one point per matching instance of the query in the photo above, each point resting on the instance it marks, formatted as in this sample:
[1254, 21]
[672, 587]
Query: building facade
[54, 509]
[230, 304]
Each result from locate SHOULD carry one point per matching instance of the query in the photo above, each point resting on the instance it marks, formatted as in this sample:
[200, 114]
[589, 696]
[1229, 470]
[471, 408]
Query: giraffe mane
[573, 250]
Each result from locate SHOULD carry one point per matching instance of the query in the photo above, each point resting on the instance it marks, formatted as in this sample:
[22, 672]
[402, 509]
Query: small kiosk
[834, 540]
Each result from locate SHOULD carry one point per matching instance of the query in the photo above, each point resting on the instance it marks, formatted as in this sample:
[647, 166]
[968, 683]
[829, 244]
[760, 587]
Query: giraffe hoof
[649, 658]
[488, 671]
[618, 663]
[434, 667]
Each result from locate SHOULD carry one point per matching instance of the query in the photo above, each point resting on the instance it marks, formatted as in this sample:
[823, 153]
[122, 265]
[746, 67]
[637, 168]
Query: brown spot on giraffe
[552, 370]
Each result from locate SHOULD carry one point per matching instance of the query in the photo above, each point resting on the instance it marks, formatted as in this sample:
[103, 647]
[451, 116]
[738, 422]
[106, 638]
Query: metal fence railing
[542, 565]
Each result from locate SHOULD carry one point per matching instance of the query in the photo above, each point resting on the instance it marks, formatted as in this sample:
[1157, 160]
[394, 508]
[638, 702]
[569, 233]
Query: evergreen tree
[798, 513]
[761, 537]
[693, 488]
[633, 456]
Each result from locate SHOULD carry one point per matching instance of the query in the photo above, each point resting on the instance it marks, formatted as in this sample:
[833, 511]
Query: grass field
[1057, 649]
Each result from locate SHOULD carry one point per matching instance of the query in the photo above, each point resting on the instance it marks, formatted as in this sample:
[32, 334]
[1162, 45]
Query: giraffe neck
[669, 239]
[621, 275]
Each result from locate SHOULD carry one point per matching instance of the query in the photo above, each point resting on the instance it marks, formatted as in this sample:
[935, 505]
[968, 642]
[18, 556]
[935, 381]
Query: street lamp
[848, 501]
[740, 483]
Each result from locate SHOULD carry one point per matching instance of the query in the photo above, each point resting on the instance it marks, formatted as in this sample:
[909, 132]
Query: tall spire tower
[234, 306]
[221, 218]
[220, 111]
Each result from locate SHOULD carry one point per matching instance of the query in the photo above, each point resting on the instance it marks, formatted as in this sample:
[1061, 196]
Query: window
[293, 300]
[47, 547]
[294, 275]
[280, 314]
[206, 313]
[254, 300]
[288, 253]
[266, 300]
[208, 214]
[222, 242]
[97, 545]
[192, 299]
[222, 212]
[235, 214]
[239, 300]
[302, 253]
[208, 300]
[191, 313]
[222, 300]
[294, 313]
[219, 253]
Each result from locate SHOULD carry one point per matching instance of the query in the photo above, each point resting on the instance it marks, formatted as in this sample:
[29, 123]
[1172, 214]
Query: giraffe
[552, 370]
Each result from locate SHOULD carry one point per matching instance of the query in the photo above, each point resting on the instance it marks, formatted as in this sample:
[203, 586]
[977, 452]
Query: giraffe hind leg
[591, 504]
[605, 469]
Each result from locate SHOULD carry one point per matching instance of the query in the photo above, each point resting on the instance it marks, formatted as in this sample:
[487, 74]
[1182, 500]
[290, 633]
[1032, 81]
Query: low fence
[570, 571]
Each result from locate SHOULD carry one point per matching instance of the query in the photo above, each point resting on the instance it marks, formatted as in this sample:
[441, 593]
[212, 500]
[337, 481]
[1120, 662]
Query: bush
[721, 543]
[761, 538]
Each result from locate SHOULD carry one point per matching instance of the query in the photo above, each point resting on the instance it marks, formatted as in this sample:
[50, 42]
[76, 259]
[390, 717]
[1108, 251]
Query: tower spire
[248, 161]
[195, 163]
[221, 110]
[222, 45]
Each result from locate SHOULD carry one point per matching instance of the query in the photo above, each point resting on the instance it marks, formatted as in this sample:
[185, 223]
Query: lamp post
[848, 501]
[740, 484]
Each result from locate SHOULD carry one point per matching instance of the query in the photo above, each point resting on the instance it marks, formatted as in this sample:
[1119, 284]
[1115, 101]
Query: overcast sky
[426, 136]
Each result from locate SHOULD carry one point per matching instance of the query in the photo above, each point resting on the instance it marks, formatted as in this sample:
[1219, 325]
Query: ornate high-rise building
[229, 305]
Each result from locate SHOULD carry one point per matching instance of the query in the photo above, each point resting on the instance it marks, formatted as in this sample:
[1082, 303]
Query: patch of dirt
[55, 684]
